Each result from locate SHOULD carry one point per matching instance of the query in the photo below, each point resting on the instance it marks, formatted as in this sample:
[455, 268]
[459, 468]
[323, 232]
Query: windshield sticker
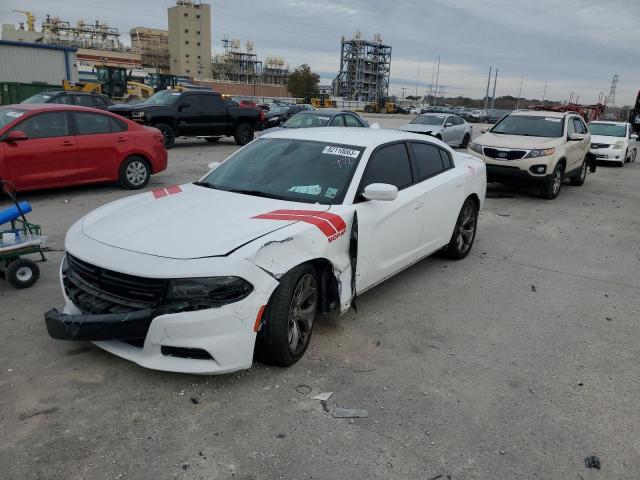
[14, 114]
[331, 192]
[343, 152]
[308, 189]
[555, 120]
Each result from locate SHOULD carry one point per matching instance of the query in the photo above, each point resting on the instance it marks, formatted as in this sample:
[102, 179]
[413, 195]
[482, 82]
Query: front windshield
[8, 115]
[307, 120]
[163, 97]
[608, 129]
[530, 126]
[38, 98]
[288, 169]
[428, 120]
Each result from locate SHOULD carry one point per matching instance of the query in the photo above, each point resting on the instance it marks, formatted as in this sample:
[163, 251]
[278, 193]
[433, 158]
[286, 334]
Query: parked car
[281, 113]
[194, 113]
[613, 142]
[49, 145]
[536, 147]
[451, 129]
[322, 118]
[69, 97]
[291, 226]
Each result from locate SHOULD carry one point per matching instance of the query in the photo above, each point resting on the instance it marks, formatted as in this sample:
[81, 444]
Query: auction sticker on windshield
[14, 114]
[555, 120]
[341, 151]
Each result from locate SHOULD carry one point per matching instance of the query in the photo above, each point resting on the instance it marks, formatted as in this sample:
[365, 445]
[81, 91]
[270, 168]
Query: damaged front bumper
[114, 326]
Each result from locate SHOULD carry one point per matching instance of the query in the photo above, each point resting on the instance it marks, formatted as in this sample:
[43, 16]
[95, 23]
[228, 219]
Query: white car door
[388, 231]
[449, 130]
[442, 187]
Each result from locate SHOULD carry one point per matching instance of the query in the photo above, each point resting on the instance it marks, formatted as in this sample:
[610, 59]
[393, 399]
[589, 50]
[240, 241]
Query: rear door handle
[68, 143]
[121, 139]
[418, 205]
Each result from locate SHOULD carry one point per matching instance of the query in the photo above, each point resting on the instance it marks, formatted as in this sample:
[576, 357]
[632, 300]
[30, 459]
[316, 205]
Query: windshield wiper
[256, 193]
[206, 185]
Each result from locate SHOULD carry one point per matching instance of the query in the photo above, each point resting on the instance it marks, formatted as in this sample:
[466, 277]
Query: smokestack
[493, 98]
[486, 97]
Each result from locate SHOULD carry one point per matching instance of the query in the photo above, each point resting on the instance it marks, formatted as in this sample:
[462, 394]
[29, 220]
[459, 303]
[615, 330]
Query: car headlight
[476, 147]
[545, 152]
[208, 292]
[618, 145]
[272, 119]
[137, 114]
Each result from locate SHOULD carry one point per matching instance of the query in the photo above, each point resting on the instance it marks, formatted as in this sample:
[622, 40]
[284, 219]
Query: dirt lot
[517, 362]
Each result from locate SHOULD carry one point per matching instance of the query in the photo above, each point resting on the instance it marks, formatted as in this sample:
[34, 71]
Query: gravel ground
[517, 362]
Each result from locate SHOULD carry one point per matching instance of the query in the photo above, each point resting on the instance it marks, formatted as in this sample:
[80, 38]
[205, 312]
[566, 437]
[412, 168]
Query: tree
[303, 83]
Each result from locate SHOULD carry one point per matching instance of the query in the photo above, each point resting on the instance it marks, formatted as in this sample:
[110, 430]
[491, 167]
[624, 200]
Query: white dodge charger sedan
[198, 277]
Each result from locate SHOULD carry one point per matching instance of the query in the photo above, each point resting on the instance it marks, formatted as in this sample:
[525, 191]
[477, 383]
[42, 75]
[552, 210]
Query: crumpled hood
[418, 128]
[499, 140]
[186, 221]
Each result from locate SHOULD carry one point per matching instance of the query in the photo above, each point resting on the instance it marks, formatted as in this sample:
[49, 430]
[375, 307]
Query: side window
[83, 100]
[189, 104]
[117, 125]
[447, 161]
[459, 121]
[352, 121]
[45, 125]
[389, 165]
[578, 126]
[213, 104]
[571, 129]
[92, 123]
[98, 102]
[428, 160]
[63, 99]
[337, 121]
[583, 126]
[449, 120]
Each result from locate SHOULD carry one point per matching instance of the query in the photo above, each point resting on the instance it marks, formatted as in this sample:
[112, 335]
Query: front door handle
[418, 205]
[68, 143]
[121, 139]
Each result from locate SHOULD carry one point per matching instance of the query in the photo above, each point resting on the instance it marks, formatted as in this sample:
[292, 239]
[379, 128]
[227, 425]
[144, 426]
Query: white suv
[536, 146]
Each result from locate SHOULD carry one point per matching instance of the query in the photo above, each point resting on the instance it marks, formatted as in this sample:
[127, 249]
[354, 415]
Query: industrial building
[31, 62]
[243, 66]
[153, 46]
[365, 67]
[190, 38]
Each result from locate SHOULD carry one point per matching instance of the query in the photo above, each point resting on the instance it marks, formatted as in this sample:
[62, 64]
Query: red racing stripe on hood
[333, 226]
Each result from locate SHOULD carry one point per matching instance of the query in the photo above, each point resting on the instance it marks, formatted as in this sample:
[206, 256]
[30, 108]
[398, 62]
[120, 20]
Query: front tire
[464, 232]
[465, 141]
[244, 134]
[580, 178]
[134, 173]
[168, 134]
[552, 186]
[289, 318]
[22, 273]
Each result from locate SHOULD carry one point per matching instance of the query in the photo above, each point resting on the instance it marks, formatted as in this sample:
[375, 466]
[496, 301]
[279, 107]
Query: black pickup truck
[193, 113]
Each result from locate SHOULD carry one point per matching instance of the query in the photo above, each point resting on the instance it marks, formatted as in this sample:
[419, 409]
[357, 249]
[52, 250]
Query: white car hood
[606, 139]
[516, 141]
[186, 222]
[418, 128]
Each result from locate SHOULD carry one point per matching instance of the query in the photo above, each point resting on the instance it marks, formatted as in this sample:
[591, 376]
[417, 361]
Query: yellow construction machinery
[87, 87]
[139, 90]
[382, 106]
[323, 103]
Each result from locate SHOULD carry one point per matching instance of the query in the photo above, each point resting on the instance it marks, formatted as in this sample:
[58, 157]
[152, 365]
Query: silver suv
[536, 147]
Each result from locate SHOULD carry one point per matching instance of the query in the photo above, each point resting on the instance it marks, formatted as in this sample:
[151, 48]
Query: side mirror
[183, 106]
[382, 192]
[448, 125]
[634, 136]
[576, 137]
[16, 136]
[213, 165]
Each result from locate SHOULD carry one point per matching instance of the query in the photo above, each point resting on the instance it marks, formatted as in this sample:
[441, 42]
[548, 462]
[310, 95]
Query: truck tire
[134, 173]
[244, 134]
[289, 318]
[553, 184]
[168, 134]
[22, 273]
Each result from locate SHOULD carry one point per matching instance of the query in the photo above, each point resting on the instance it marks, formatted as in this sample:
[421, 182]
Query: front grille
[504, 154]
[96, 290]
[599, 145]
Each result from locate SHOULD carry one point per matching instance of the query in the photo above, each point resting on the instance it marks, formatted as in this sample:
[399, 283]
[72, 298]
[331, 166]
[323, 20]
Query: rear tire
[464, 232]
[289, 318]
[244, 134]
[168, 134]
[579, 178]
[553, 185]
[134, 173]
[22, 273]
[465, 141]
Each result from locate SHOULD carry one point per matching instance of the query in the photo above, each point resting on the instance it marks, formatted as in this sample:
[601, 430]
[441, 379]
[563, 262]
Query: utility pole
[437, 79]
[493, 97]
[544, 94]
[418, 77]
[611, 98]
[519, 93]
[403, 89]
[486, 96]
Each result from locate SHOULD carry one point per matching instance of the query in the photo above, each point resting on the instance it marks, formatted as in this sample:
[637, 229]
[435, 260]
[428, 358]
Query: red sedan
[48, 145]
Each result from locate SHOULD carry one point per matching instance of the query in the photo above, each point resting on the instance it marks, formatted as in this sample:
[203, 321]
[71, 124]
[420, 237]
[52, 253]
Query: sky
[572, 46]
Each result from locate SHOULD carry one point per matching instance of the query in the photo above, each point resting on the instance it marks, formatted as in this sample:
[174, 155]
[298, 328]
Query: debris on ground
[504, 214]
[533, 288]
[325, 407]
[350, 413]
[280, 435]
[323, 397]
[195, 401]
[46, 411]
[592, 462]
[303, 389]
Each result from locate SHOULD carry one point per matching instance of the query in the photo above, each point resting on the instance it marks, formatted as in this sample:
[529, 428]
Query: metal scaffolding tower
[611, 98]
[365, 66]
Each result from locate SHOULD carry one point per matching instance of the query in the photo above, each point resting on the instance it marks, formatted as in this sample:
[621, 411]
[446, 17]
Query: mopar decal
[333, 226]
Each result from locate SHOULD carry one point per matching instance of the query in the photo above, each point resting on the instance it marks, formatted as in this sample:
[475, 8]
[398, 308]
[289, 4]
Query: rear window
[8, 115]
[39, 98]
[530, 126]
